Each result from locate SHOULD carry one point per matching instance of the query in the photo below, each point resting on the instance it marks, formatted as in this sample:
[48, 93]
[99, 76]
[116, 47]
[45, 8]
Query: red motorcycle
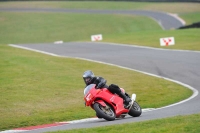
[108, 105]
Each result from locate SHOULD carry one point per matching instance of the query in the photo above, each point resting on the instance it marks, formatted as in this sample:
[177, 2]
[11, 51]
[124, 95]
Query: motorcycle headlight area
[89, 97]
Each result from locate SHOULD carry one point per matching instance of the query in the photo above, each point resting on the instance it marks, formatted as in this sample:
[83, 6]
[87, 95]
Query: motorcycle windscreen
[88, 88]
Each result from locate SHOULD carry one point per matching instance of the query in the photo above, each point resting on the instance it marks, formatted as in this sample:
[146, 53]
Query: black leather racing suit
[101, 83]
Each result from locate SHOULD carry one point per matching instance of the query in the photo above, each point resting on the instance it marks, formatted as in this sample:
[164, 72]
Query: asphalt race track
[182, 66]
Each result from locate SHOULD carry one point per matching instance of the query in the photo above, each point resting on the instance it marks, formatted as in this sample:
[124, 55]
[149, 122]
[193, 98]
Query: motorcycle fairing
[117, 102]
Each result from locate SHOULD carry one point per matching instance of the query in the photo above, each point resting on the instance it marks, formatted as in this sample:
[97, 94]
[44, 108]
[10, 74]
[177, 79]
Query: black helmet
[88, 76]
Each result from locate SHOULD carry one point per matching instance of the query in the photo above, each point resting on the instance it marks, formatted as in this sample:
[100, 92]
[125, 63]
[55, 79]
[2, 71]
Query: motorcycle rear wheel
[104, 112]
[135, 110]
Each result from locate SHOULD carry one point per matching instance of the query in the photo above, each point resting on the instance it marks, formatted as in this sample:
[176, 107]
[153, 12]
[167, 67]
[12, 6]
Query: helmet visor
[87, 80]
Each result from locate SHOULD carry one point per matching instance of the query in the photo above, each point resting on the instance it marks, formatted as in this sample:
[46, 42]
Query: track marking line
[13, 131]
[146, 47]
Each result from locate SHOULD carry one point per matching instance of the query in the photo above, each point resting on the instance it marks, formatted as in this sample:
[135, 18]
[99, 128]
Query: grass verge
[187, 39]
[178, 124]
[175, 7]
[128, 29]
[49, 27]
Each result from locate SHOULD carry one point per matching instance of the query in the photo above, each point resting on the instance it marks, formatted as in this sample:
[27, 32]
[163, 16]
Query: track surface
[182, 66]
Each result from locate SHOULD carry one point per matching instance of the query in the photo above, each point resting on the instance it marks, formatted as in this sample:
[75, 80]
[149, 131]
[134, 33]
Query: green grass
[178, 124]
[191, 17]
[174, 7]
[128, 29]
[49, 27]
[38, 89]
[187, 39]
[71, 27]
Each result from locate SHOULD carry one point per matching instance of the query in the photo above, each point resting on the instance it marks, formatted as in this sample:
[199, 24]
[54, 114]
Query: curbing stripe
[39, 126]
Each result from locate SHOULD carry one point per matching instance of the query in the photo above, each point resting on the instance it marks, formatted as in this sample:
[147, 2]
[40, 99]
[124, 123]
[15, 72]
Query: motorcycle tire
[135, 110]
[108, 114]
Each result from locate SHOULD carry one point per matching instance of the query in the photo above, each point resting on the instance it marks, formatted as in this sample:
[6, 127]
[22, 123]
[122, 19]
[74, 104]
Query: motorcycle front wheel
[135, 110]
[104, 112]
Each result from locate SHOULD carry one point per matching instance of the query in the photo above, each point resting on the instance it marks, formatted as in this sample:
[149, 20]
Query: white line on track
[95, 119]
[177, 17]
[146, 47]
[13, 131]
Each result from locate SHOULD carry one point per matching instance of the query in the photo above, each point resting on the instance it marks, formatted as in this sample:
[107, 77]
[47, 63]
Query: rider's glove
[100, 85]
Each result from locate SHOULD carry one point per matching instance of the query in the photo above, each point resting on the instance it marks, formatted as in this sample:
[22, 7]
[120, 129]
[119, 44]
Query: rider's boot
[127, 100]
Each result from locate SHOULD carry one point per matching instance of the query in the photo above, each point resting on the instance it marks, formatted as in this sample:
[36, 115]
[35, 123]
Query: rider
[90, 78]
